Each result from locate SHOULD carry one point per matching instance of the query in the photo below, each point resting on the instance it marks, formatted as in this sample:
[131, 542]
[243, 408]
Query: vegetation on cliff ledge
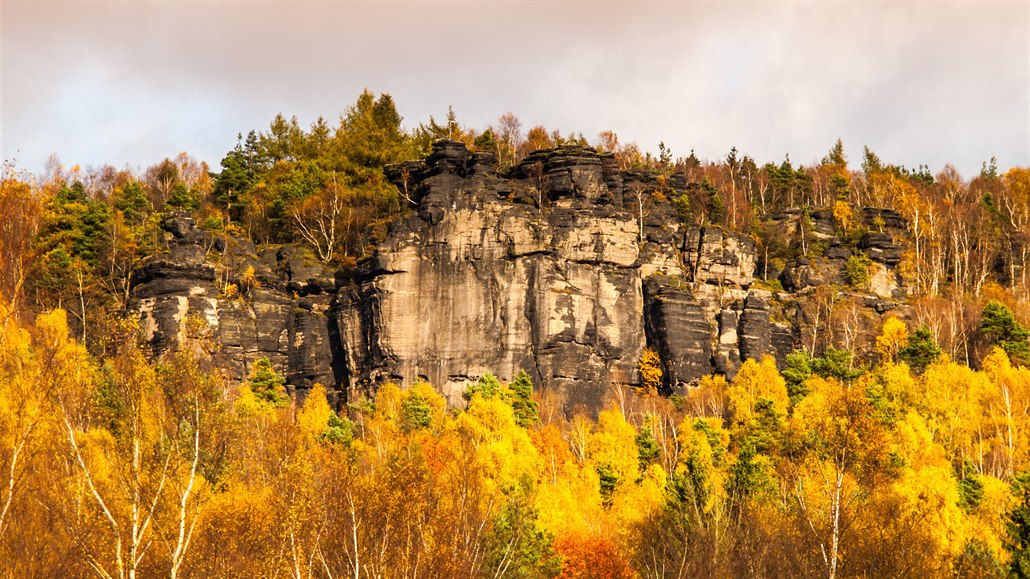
[906, 455]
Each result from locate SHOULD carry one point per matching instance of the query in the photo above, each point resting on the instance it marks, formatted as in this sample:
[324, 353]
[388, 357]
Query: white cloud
[917, 82]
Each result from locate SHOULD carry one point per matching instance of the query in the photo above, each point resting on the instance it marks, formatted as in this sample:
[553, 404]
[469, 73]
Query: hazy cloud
[918, 82]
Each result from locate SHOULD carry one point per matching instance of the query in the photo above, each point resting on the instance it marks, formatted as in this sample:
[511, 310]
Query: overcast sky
[129, 83]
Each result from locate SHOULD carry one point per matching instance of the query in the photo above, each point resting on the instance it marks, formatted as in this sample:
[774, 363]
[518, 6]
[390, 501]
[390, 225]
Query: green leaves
[267, 385]
[856, 270]
[1018, 526]
[647, 448]
[415, 412]
[518, 395]
[799, 369]
[514, 546]
[268, 175]
[1000, 327]
[921, 351]
[133, 202]
[521, 400]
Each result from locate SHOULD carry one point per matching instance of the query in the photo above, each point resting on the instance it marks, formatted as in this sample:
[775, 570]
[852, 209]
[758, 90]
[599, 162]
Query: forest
[904, 453]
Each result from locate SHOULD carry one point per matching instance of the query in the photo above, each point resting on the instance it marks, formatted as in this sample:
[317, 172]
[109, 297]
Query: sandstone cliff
[554, 268]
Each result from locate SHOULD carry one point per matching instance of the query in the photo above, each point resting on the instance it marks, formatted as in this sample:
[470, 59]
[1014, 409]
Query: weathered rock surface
[553, 268]
[883, 227]
[186, 283]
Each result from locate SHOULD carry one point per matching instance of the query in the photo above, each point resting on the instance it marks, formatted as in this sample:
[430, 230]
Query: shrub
[856, 270]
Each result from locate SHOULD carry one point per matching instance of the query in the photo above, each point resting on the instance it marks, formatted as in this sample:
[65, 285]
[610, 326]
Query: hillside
[448, 352]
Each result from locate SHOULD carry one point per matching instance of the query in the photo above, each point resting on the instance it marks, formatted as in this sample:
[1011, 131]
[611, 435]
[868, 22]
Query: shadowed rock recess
[552, 268]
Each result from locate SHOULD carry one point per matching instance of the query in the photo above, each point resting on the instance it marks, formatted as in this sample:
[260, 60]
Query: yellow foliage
[249, 279]
[650, 370]
[892, 338]
[272, 502]
[502, 448]
[756, 380]
[843, 215]
[632, 503]
[987, 521]
[914, 441]
[701, 440]
[613, 443]
[952, 401]
[1008, 406]
[709, 398]
[692, 438]
[572, 504]
[314, 415]
[248, 406]
[898, 382]
[97, 447]
[388, 401]
[236, 521]
[437, 403]
[929, 497]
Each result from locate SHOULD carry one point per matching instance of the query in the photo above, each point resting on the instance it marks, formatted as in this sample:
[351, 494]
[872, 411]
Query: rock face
[269, 320]
[879, 243]
[553, 268]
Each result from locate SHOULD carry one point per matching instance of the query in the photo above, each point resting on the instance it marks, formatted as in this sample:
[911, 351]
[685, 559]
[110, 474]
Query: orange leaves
[554, 451]
[843, 215]
[592, 556]
[650, 367]
[417, 489]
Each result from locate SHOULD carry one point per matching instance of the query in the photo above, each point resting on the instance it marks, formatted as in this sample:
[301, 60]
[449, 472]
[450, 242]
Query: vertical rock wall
[553, 268]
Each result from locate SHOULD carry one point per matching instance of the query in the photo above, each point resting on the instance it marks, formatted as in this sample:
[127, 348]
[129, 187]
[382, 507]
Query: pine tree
[921, 351]
[267, 385]
[521, 393]
[1000, 327]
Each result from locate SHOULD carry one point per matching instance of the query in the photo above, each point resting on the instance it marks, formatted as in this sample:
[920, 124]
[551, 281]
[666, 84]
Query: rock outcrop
[262, 314]
[554, 268]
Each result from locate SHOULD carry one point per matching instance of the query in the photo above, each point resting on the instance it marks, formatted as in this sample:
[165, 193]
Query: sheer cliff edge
[561, 266]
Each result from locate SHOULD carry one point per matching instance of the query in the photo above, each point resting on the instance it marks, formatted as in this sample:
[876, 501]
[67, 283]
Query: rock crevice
[550, 268]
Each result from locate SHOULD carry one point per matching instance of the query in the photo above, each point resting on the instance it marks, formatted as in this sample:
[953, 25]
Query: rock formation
[555, 267]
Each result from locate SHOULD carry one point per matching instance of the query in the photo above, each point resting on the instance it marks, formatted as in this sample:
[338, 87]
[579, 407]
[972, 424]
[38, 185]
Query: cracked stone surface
[551, 268]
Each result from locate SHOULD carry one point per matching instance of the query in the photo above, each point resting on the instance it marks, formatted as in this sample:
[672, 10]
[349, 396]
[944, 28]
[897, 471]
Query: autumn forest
[899, 448]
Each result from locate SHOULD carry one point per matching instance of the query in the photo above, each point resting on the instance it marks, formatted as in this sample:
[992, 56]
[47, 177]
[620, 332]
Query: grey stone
[542, 268]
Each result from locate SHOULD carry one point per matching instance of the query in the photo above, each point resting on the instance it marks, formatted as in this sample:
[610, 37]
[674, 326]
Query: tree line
[74, 235]
[898, 452]
[118, 465]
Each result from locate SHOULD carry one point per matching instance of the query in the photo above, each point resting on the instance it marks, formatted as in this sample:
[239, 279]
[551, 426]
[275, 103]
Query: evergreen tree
[835, 157]
[1018, 526]
[133, 202]
[415, 413]
[713, 201]
[526, 409]
[921, 351]
[267, 385]
[837, 364]
[799, 369]
[241, 170]
[487, 386]
[1000, 327]
[514, 546]
[648, 450]
[486, 141]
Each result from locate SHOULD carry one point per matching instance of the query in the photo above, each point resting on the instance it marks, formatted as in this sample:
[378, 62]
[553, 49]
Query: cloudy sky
[129, 83]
